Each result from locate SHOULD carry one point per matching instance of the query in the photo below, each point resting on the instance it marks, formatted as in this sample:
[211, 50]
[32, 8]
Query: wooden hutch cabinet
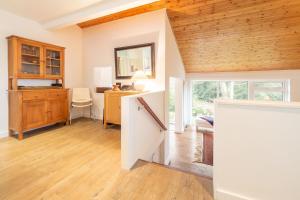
[35, 107]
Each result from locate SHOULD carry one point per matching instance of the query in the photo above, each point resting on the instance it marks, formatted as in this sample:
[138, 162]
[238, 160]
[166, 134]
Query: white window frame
[251, 89]
[189, 84]
[218, 88]
[285, 88]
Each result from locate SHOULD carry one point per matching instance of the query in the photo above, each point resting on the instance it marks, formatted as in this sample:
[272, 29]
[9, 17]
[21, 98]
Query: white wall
[69, 37]
[256, 150]
[174, 63]
[98, 51]
[99, 43]
[140, 135]
[174, 69]
[179, 106]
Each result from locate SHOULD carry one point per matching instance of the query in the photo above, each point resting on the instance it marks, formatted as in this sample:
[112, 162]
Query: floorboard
[186, 149]
[82, 161]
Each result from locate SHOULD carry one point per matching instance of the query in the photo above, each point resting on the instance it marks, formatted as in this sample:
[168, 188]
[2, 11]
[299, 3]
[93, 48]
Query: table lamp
[138, 79]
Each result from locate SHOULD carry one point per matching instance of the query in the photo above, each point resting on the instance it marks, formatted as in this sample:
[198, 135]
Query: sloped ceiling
[230, 35]
[237, 35]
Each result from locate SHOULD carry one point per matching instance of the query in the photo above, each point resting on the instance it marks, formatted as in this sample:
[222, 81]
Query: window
[233, 89]
[205, 92]
[270, 90]
[241, 90]
[203, 95]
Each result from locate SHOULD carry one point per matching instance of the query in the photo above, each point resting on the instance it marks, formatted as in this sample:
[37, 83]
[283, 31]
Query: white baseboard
[3, 134]
[225, 195]
[87, 115]
[76, 115]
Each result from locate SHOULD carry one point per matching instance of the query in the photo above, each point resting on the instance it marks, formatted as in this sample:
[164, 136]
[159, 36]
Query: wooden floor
[184, 153]
[82, 161]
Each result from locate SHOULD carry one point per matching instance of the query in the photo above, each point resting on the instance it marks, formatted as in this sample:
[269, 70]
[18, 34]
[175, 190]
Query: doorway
[186, 144]
[176, 105]
[172, 103]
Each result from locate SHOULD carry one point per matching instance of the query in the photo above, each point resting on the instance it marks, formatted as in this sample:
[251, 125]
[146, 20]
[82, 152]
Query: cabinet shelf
[53, 66]
[30, 55]
[28, 63]
[53, 58]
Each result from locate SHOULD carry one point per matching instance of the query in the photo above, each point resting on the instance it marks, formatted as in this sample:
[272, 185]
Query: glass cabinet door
[30, 60]
[53, 63]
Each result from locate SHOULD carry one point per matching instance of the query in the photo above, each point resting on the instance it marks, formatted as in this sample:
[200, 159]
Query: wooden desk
[112, 106]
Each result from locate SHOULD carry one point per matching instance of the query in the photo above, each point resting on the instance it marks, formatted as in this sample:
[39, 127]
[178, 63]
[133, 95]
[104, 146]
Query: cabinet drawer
[57, 95]
[34, 95]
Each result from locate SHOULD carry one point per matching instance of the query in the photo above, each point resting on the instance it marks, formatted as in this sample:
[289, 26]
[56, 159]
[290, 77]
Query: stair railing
[151, 112]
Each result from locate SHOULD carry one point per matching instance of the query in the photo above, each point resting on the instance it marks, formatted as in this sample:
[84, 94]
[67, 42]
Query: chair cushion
[81, 100]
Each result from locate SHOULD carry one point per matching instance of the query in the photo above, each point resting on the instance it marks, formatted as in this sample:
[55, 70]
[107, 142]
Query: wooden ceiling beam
[123, 14]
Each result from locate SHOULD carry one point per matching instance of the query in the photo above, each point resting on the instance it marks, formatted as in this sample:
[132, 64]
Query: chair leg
[90, 112]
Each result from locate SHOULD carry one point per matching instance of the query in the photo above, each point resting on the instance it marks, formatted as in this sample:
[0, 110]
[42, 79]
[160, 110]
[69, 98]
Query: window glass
[241, 90]
[205, 91]
[203, 95]
[226, 89]
[233, 89]
[269, 96]
[269, 90]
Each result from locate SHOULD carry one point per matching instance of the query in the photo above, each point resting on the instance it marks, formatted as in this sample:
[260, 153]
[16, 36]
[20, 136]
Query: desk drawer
[34, 95]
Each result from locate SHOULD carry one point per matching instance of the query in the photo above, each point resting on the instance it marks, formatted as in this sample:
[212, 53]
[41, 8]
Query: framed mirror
[130, 59]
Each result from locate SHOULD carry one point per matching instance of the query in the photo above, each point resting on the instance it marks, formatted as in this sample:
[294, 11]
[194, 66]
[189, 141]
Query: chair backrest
[81, 94]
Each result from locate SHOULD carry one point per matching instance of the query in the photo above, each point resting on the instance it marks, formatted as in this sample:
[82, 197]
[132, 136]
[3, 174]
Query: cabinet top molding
[34, 41]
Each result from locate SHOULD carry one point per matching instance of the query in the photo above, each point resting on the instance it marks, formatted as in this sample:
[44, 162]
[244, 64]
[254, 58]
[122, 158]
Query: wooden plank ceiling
[230, 35]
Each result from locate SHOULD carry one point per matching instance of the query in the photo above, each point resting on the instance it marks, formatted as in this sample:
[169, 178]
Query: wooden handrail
[150, 111]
